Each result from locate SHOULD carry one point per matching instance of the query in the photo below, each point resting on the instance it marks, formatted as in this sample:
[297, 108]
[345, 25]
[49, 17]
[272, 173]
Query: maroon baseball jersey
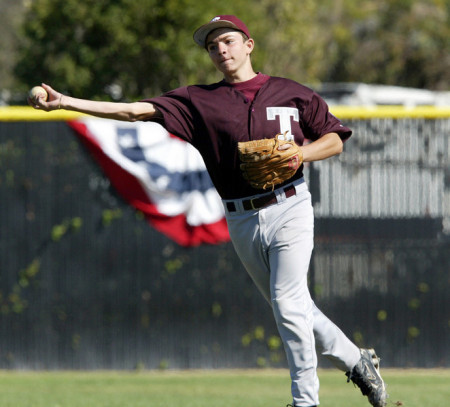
[214, 118]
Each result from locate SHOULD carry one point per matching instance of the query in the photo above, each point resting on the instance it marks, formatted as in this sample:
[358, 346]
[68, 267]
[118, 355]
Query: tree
[393, 42]
[10, 20]
[140, 48]
[93, 47]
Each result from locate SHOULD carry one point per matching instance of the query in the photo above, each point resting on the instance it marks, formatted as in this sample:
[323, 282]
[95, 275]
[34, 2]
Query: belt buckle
[252, 205]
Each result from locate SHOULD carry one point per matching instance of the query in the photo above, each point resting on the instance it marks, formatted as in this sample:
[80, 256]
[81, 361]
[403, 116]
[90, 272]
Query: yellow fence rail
[26, 113]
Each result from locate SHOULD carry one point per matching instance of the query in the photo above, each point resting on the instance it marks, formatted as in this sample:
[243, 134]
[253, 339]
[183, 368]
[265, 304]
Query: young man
[272, 232]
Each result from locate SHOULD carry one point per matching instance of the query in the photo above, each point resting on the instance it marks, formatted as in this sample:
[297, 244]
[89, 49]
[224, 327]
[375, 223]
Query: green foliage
[60, 230]
[216, 310]
[396, 42]
[10, 18]
[92, 47]
[30, 272]
[130, 49]
[110, 215]
[270, 346]
[15, 301]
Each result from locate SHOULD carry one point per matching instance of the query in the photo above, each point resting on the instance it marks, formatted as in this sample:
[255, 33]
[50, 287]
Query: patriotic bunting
[158, 174]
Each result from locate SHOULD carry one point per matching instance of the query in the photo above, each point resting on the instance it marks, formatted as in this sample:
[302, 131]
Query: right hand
[53, 101]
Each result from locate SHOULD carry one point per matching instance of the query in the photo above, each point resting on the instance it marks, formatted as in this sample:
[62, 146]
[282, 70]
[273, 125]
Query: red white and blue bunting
[158, 174]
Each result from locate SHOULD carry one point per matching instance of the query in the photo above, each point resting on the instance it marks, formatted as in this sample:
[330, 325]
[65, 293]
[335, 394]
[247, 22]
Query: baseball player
[250, 129]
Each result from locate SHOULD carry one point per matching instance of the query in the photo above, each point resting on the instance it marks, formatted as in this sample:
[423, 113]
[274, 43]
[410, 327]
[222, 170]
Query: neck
[241, 76]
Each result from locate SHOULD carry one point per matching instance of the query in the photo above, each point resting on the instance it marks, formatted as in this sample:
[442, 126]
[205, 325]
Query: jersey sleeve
[318, 120]
[177, 113]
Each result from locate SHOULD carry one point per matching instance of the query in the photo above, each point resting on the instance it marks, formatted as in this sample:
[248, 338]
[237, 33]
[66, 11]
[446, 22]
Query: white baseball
[38, 92]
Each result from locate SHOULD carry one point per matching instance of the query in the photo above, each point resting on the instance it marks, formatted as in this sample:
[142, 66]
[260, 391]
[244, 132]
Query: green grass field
[230, 388]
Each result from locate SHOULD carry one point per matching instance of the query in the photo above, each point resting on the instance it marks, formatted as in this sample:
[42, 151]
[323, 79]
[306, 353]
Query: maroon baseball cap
[225, 21]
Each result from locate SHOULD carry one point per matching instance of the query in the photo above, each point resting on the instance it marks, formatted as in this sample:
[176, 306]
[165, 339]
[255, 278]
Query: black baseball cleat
[366, 375]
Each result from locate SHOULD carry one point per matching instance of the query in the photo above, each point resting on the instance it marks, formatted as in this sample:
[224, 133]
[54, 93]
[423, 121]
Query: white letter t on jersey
[284, 114]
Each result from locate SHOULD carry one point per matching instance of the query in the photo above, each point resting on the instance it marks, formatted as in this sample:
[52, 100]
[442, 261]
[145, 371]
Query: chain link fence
[86, 283]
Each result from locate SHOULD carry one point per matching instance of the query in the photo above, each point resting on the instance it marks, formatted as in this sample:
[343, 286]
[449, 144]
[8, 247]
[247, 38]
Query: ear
[250, 44]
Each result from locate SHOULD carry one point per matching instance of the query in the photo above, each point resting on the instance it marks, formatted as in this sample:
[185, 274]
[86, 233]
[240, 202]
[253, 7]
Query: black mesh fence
[86, 283]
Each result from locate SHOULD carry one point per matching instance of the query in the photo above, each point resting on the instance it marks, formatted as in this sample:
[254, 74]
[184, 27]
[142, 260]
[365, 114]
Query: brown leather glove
[263, 165]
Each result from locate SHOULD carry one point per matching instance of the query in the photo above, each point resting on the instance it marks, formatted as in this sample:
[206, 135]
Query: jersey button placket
[251, 111]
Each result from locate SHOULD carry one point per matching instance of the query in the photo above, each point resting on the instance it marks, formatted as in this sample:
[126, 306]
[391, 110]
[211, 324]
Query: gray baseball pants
[275, 245]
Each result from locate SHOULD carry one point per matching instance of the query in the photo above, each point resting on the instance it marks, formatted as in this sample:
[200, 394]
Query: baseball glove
[263, 165]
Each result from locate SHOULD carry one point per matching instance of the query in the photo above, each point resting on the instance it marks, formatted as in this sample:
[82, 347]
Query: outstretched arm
[109, 110]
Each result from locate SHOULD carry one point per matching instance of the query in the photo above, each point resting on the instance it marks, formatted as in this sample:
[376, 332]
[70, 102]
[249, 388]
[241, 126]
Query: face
[228, 50]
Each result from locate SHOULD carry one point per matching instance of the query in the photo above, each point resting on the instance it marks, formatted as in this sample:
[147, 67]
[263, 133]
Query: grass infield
[218, 388]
